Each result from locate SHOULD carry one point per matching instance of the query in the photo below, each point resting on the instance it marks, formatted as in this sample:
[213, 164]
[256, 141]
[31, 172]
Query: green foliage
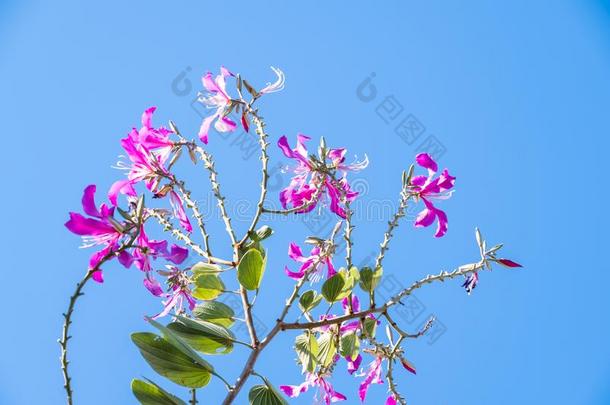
[265, 395]
[251, 269]
[369, 278]
[149, 393]
[327, 343]
[306, 347]
[350, 345]
[208, 286]
[215, 312]
[203, 336]
[170, 362]
[309, 300]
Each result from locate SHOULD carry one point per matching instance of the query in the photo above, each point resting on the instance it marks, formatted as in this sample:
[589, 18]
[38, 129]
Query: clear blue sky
[517, 93]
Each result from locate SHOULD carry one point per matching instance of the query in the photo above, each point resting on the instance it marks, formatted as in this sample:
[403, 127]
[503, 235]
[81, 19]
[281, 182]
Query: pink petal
[426, 161]
[179, 213]
[88, 201]
[153, 286]
[147, 117]
[98, 276]
[295, 253]
[391, 400]
[443, 224]
[225, 124]
[122, 187]
[509, 263]
[205, 128]
[177, 254]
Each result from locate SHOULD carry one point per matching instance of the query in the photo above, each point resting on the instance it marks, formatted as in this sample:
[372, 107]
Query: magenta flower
[429, 188]
[309, 178]
[152, 249]
[313, 265]
[178, 208]
[147, 150]
[325, 392]
[180, 292]
[372, 377]
[218, 99]
[101, 229]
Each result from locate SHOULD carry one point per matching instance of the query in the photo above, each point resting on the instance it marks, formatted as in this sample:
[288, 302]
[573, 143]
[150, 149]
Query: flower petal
[426, 161]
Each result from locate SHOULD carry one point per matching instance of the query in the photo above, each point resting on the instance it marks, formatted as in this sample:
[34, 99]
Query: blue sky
[514, 93]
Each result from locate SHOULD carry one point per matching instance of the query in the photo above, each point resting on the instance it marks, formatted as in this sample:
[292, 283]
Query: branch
[186, 194]
[181, 236]
[209, 164]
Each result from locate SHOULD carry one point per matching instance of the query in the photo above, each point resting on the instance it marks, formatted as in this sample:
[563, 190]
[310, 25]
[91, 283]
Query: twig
[186, 195]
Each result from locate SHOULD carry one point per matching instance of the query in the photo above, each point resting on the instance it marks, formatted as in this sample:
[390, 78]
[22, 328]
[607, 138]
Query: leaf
[179, 344]
[370, 327]
[208, 287]
[251, 269]
[328, 349]
[265, 395]
[306, 347]
[205, 268]
[331, 289]
[369, 278]
[215, 312]
[170, 362]
[350, 345]
[309, 300]
[149, 393]
[203, 336]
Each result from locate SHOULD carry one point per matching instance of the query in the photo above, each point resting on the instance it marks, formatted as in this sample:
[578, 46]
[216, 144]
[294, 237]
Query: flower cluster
[315, 176]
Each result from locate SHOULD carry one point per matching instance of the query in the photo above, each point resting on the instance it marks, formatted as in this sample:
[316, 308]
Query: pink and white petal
[295, 275]
[295, 253]
[204, 130]
[88, 201]
[121, 187]
[443, 224]
[179, 213]
[225, 124]
[425, 218]
[177, 254]
[153, 286]
[147, 117]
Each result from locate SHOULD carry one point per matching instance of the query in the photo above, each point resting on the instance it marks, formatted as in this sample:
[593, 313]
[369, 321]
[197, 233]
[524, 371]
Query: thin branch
[193, 400]
[262, 140]
[404, 334]
[209, 164]
[186, 195]
[392, 225]
[181, 236]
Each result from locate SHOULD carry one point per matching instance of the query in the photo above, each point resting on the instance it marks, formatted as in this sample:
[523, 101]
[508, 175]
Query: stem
[193, 400]
[262, 140]
[209, 164]
[186, 194]
[392, 225]
[63, 342]
[181, 236]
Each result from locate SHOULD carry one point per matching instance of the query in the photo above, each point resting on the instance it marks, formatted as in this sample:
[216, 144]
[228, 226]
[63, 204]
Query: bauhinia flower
[147, 249]
[326, 392]
[180, 291]
[373, 376]
[147, 149]
[218, 99]
[312, 265]
[316, 175]
[101, 229]
[428, 189]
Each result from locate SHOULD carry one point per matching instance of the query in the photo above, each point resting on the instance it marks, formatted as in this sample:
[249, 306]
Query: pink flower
[180, 292]
[309, 178]
[179, 213]
[101, 229]
[325, 389]
[151, 249]
[429, 188]
[147, 149]
[372, 377]
[313, 265]
[219, 99]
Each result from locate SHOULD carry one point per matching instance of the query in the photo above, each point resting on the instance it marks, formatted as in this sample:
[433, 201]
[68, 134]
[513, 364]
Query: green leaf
[265, 395]
[307, 349]
[203, 336]
[309, 300]
[149, 393]
[350, 345]
[328, 349]
[205, 268]
[331, 289]
[215, 312]
[208, 287]
[251, 269]
[170, 362]
[179, 344]
[370, 327]
[369, 278]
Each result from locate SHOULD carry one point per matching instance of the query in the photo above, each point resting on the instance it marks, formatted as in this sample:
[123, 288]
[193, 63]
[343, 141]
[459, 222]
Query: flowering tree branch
[199, 324]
